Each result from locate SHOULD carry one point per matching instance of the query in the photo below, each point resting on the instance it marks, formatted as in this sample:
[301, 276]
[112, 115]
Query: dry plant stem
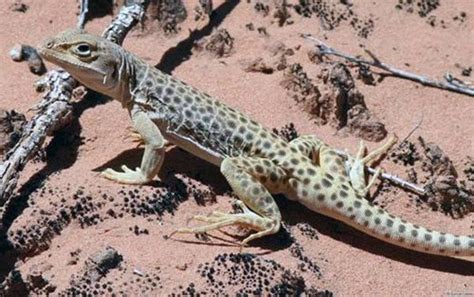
[127, 18]
[55, 109]
[400, 182]
[449, 85]
[392, 178]
[83, 14]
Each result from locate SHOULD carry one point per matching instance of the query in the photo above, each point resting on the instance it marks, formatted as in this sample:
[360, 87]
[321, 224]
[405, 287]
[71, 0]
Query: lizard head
[93, 61]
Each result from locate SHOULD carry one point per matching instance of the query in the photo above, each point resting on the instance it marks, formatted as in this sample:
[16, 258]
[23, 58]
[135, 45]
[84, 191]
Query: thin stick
[449, 84]
[128, 17]
[83, 14]
[413, 130]
[55, 109]
[408, 135]
[400, 182]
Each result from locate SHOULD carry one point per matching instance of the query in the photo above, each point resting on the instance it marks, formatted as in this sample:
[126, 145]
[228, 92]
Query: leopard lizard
[256, 162]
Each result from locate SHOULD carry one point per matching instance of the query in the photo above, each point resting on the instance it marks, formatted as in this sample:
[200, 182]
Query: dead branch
[448, 84]
[83, 14]
[128, 17]
[54, 110]
[400, 182]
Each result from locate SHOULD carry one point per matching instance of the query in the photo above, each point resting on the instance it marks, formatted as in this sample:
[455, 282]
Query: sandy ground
[314, 254]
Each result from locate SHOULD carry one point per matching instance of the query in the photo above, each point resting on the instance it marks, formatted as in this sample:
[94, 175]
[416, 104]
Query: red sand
[351, 263]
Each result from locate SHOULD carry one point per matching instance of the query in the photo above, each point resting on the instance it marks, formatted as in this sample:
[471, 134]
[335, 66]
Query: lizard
[255, 161]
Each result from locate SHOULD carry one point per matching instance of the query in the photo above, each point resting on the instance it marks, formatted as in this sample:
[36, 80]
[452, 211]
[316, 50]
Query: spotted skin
[256, 162]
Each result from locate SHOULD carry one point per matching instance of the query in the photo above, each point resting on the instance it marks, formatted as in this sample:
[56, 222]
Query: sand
[70, 213]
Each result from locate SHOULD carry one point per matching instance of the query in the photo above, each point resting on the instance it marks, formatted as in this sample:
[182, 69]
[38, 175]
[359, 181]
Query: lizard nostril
[49, 44]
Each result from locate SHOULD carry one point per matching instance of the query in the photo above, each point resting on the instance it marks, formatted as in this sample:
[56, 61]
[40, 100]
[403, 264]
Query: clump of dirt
[168, 13]
[287, 132]
[422, 7]
[426, 9]
[11, 128]
[469, 169]
[219, 44]
[37, 234]
[95, 268]
[307, 230]
[276, 61]
[256, 65]
[465, 70]
[447, 191]
[249, 275]
[35, 282]
[14, 285]
[93, 279]
[19, 6]
[300, 87]
[203, 9]
[21, 52]
[278, 9]
[332, 14]
[304, 262]
[202, 197]
[336, 101]
[460, 18]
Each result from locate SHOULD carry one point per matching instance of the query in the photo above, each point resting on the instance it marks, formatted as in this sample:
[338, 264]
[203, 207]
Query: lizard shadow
[296, 213]
[293, 213]
[174, 56]
[177, 161]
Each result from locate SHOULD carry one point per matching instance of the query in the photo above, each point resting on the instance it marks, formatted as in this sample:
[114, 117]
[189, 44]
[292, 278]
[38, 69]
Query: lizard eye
[83, 50]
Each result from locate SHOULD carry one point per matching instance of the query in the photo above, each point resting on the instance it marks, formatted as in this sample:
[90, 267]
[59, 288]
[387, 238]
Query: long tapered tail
[371, 219]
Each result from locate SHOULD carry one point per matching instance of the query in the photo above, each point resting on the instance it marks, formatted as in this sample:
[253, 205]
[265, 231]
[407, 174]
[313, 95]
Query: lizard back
[184, 113]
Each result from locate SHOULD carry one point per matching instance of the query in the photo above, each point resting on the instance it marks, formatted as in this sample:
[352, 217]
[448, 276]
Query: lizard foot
[217, 220]
[128, 176]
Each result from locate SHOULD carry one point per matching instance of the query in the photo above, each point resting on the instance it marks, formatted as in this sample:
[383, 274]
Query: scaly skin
[255, 161]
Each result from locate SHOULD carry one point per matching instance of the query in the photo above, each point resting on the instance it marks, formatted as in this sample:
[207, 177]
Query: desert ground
[69, 231]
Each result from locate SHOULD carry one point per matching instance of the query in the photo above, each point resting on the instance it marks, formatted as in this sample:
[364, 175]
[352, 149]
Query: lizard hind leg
[320, 153]
[249, 178]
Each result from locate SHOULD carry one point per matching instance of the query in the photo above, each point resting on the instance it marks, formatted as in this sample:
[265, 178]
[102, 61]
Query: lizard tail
[371, 219]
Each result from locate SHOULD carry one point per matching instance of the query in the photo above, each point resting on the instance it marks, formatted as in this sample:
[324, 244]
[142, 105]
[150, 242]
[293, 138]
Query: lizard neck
[126, 78]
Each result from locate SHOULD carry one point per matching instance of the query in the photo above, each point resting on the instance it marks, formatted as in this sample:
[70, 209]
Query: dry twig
[450, 84]
[55, 108]
[83, 14]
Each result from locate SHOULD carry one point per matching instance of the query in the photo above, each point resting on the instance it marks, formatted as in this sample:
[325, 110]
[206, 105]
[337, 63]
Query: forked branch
[450, 83]
[55, 108]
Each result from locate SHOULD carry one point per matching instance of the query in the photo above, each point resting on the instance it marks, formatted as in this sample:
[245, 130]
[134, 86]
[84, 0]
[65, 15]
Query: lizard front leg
[152, 157]
[249, 178]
